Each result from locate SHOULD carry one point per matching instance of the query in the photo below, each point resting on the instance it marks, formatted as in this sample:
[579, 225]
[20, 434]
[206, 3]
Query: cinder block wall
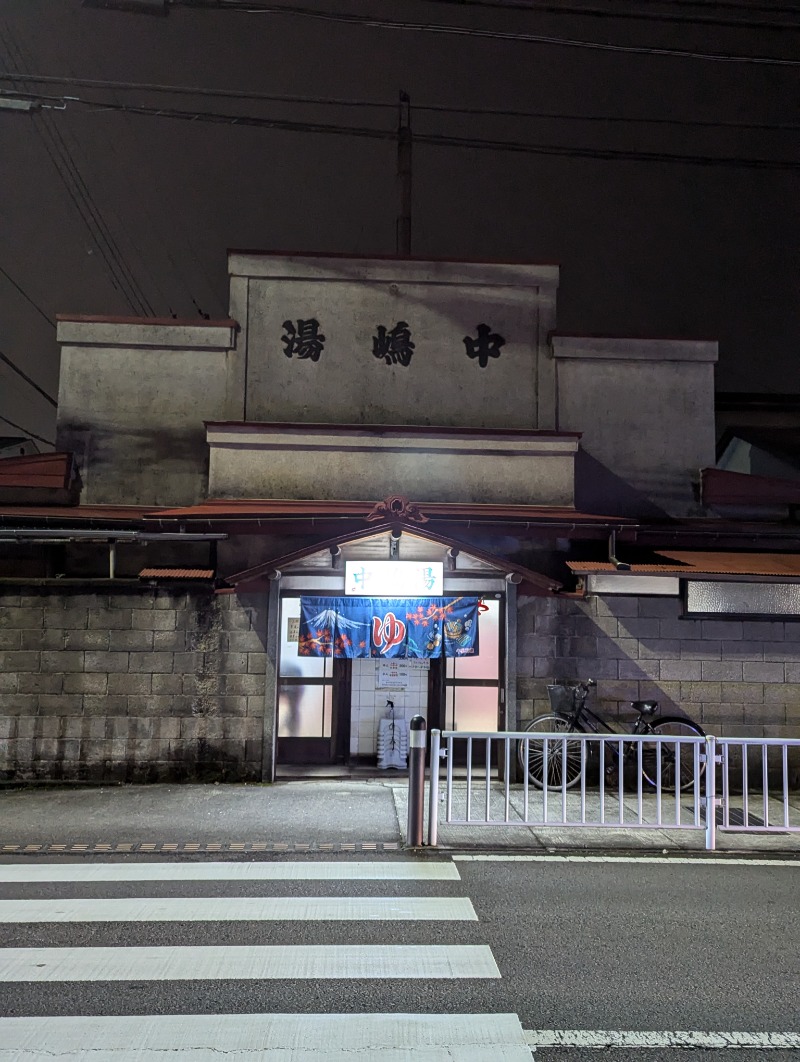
[145, 685]
[737, 678]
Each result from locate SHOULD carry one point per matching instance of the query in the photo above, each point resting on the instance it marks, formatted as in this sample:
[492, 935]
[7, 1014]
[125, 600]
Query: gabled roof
[534, 582]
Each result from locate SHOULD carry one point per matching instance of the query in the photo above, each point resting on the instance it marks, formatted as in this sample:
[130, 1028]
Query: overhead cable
[12, 365]
[60, 155]
[628, 12]
[336, 101]
[29, 434]
[27, 297]
[439, 139]
[248, 7]
[734, 5]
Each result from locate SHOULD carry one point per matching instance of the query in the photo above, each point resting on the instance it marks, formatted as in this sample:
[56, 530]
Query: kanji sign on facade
[486, 346]
[393, 345]
[303, 339]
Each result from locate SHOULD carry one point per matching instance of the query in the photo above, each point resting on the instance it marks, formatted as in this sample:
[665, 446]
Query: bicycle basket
[563, 699]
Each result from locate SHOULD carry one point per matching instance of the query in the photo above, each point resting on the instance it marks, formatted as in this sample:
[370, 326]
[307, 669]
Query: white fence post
[433, 794]
[711, 793]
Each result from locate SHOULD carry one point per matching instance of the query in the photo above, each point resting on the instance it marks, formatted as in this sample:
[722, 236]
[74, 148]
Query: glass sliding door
[310, 690]
[473, 685]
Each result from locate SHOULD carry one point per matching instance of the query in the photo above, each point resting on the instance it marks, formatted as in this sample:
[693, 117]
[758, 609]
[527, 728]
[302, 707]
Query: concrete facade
[131, 402]
[316, 461]
[439, 302]
[134, 393]
[645, 410]
[135, 682]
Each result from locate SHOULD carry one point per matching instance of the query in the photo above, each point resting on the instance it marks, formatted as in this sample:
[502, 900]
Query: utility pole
[403, 233]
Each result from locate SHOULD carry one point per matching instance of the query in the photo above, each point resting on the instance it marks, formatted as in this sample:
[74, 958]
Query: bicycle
[566, 762]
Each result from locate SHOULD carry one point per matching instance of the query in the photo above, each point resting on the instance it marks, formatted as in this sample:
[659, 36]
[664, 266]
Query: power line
[684, 123]
[30, 434]
[7, 361]
[609, 154]
[333, 101]
[439, 139]
[64, 163]
[732, 5]
[249, 7]
[48, 138]
[27, 297]
[535, 8]
[175, 270]
[193, 90]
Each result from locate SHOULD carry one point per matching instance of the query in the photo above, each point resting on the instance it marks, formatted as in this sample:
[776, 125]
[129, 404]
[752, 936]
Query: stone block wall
[737, 678]
[148, 684]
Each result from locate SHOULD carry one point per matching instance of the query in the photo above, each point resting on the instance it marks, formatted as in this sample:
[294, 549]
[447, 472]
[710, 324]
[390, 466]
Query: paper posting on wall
[392, 674]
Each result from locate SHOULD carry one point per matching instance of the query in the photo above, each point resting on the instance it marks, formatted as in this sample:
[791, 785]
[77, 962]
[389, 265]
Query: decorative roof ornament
[397, 507]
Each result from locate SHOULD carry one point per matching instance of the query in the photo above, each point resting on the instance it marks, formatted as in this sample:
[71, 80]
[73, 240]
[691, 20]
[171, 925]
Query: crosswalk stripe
[721, 860]
[267, 1038]
[607, 1039]
[241, 909]
[295, 870]
[266, 962]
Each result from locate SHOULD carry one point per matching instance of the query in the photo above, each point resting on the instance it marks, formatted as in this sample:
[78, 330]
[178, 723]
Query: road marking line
[267, 1037]
[684, 860]
[258, 871]
[610, 1038]
[268, 962]
[241, 909]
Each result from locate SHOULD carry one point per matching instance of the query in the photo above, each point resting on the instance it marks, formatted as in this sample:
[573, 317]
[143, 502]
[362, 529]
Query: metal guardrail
[756, 782]
[629, 798]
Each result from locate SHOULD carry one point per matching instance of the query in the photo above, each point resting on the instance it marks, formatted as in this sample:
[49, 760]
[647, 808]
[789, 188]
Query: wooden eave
[258, 511]
[47, 516]
[538, 583]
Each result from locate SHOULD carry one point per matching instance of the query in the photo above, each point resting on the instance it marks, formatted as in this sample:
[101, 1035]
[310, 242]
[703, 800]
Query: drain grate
[735, 817]
[200, 848]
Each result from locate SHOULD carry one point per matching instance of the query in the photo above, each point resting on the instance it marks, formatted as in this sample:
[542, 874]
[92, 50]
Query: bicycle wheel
[563, 758]
[677, 759]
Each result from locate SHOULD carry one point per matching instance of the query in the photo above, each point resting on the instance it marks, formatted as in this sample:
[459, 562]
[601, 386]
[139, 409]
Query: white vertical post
[711, 792]
[449, 782]
[488, 794]
[433, 794]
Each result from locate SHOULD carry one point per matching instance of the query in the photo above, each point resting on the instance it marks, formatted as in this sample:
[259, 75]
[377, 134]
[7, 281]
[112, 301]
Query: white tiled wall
[368, 704]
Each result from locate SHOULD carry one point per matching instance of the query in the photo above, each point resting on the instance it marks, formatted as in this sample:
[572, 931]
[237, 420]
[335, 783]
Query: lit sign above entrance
[394, 578]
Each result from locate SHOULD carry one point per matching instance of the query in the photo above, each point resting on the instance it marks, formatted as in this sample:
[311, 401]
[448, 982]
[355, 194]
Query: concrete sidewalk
[308, 816]
[290, 816]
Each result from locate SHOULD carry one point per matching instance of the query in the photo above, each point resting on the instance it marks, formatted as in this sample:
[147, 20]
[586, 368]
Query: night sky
[118, 213]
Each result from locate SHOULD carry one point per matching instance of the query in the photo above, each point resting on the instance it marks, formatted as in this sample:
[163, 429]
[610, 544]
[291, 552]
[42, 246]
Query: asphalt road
[579, 945]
